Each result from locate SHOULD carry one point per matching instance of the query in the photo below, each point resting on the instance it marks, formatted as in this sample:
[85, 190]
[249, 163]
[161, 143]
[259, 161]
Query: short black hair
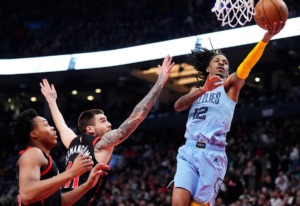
[22, 125]
[200, 59]
[87, 118]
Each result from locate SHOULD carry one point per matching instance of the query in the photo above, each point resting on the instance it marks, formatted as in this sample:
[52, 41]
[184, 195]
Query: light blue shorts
[201, 171]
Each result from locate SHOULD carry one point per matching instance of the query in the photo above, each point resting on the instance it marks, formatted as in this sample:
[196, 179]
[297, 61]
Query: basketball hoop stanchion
[234, 12]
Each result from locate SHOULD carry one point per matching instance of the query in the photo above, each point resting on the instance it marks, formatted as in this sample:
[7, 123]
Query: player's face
[45, 133]
[219, 66]
[101, 125]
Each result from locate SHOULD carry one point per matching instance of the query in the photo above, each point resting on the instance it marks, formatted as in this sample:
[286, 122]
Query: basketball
[269, 11]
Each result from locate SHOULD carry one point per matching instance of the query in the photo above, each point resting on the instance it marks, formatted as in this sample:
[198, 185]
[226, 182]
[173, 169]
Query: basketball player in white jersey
[202, 161]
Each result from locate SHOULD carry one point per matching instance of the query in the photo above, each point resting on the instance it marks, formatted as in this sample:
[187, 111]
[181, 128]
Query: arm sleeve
[245, 67]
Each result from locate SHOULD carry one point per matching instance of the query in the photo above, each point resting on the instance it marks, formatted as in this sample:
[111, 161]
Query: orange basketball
[269, 11]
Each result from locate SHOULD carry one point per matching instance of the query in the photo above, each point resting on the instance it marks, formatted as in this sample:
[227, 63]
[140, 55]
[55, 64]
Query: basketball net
[234, 12]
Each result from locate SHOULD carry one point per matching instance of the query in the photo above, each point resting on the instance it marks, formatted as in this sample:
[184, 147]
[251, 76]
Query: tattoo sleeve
[138, 114]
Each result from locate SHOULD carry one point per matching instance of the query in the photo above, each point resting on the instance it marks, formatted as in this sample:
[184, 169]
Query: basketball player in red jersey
[38, 176]
[97, 138]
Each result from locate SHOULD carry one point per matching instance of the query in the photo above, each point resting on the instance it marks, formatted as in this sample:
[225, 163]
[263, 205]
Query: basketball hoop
[234, 13]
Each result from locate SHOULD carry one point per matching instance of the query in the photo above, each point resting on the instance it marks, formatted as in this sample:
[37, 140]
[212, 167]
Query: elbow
[177, 108]
[29, 196]
[138, 116]
[26, 199]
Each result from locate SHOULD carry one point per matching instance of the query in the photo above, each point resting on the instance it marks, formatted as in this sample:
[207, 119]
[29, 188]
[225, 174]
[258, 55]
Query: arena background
[266, 124]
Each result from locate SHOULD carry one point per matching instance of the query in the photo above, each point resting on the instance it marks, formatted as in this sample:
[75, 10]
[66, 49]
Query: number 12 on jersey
[199, 113]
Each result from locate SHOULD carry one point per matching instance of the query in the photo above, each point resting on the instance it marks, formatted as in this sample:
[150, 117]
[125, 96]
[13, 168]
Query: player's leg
[180, 197]
[213, 168]
[186, 177]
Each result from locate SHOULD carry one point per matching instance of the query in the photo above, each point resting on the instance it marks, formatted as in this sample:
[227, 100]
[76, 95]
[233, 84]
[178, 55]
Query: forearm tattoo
[138, 114]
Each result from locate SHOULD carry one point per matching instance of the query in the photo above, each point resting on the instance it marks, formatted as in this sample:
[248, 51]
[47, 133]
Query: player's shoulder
[32, 151]
[33, 154]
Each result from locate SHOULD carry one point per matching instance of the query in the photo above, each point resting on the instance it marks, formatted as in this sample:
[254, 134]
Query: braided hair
[200, 59]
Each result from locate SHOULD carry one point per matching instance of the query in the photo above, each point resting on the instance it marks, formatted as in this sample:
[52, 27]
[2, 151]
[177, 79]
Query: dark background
[266, 124]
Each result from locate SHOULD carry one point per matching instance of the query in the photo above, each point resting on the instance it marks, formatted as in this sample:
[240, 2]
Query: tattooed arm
[140, 112]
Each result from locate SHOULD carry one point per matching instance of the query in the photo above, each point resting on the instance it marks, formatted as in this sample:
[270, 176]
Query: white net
[234, 12]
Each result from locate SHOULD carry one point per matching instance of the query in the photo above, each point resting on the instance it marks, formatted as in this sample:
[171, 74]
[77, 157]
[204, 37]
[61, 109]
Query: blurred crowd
[51, 27]
[263, 152]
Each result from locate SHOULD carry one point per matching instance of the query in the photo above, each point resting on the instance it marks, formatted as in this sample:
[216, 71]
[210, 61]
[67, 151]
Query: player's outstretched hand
[272, 31]
[81, 165]
[48, 91]
[212, 82]
[165, 68]
[97, 171]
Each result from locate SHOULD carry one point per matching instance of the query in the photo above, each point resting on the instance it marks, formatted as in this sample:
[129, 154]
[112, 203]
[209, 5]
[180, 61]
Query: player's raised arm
[49, 92]
[237, 79]
[253, 57]
[140, 112]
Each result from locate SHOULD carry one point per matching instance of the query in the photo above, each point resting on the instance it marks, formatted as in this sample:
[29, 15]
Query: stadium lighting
[147, 52]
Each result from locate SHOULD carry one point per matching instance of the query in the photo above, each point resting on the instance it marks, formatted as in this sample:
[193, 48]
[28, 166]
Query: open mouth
[220, 69]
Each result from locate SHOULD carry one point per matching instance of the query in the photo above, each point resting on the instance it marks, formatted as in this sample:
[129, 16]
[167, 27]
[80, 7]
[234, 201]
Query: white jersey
[210, 117]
